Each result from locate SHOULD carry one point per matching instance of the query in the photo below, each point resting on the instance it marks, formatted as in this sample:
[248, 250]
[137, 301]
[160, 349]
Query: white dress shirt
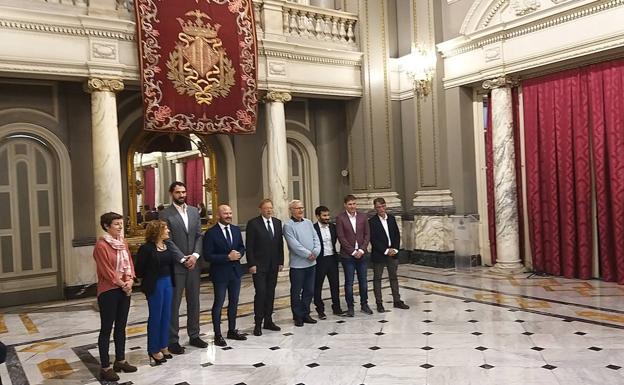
[326, 239]
[352, 219]
[184, 214]
[384, 224]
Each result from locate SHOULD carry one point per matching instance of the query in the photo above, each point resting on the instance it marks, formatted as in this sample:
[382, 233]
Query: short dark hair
[319, 210]
[107, 219]
[349, 198]
[175, 184]
[379, 200]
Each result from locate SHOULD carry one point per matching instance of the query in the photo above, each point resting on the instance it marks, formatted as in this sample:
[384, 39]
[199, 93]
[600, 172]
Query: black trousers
[114, 307]
[264, 283]
[327, 266]
[392, 265]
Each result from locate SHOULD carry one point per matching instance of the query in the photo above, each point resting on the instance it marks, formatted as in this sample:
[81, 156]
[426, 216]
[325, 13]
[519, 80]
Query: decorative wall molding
[104, 50]
[308, 58]
[66, 30]
[556, 32]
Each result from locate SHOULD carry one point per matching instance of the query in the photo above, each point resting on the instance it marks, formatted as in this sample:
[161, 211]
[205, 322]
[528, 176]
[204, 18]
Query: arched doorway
[29, 213]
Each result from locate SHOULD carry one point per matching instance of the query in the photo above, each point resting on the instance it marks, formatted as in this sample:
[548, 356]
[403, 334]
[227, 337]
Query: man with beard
[326, 263]
[185, 227]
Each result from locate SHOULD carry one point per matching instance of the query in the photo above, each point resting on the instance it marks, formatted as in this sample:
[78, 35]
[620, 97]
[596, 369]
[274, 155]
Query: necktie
[228, 237]
[270, 228]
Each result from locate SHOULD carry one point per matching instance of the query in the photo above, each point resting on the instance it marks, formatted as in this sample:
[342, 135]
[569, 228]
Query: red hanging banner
[198, 63]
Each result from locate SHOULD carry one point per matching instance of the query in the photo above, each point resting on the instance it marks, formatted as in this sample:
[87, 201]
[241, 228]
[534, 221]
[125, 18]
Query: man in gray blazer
[185, 227]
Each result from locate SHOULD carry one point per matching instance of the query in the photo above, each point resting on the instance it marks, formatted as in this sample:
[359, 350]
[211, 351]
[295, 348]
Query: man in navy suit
[326, 263]
[223, 248]
[385, 241]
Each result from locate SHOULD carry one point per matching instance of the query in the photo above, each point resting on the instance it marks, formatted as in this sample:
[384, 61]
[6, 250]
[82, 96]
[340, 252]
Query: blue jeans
[159, 305]
[350, 267]
[301, 291]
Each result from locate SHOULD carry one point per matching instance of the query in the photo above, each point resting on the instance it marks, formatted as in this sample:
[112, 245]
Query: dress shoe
[108, 375]
[176, 348]
[124, 366]
[350, 312]
[401, 305]
[309, 320]
[219, 341]
[380, 308]
[168, 356]
[298, 323]
[338, 311]
[235, 335]
[198, 343]
[366, 309]
[257, 330]
[321, 314]
[272, 326]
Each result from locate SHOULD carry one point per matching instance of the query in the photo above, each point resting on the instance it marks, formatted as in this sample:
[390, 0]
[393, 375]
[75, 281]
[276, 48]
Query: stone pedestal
[505, 196]
[105, 137]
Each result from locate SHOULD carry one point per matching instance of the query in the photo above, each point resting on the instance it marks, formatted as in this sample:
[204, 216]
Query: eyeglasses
[298, 208]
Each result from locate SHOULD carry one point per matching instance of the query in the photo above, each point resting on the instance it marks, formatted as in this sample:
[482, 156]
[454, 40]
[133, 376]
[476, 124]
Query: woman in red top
[115, 273]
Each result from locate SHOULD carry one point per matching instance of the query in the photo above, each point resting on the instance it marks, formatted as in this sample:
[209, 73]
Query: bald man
[223, 248]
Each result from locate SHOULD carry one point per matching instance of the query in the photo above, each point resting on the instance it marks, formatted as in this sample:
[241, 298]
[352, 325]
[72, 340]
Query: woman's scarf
[123, 260]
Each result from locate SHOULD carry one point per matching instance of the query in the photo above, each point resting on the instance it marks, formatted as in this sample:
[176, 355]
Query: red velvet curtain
[556, 124]
[194, 180]
[606, 109]
[149, 197]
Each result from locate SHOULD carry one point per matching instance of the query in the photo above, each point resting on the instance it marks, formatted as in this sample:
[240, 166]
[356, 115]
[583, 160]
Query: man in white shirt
[185, 226]
[385, 241]
[326, 263]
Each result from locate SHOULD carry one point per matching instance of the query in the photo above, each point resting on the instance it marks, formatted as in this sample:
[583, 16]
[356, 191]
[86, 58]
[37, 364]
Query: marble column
[105, 137]
[277, 154]
[277, 157]
[505, 196]
[179, 170]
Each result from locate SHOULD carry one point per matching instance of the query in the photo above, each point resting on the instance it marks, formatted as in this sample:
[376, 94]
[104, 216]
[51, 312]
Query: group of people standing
[169, 266]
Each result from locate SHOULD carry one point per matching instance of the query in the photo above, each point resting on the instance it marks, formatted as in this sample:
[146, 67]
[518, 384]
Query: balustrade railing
[319, 23]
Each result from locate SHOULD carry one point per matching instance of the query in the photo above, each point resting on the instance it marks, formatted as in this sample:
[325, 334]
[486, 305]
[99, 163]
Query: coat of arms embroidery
[198, 65]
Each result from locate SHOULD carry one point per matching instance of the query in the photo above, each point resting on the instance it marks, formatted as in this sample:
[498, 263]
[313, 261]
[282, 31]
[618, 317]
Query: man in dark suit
[353, 234]
[385, 241]
[223, 248]
[185, 231]
[265, 257]
[326, 263]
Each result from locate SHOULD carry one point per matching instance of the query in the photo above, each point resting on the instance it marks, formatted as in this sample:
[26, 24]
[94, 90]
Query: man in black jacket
[265, 258]
[326, 263]
[385, 241]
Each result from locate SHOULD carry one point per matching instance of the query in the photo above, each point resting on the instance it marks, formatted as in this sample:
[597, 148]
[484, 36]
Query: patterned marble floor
[475, 328]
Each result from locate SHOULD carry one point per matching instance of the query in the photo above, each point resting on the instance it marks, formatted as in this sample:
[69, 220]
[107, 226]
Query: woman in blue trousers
[155, 261]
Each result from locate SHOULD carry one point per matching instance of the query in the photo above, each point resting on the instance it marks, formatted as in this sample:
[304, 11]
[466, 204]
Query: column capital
[277, 96]
[499, 82]
[99, 84]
